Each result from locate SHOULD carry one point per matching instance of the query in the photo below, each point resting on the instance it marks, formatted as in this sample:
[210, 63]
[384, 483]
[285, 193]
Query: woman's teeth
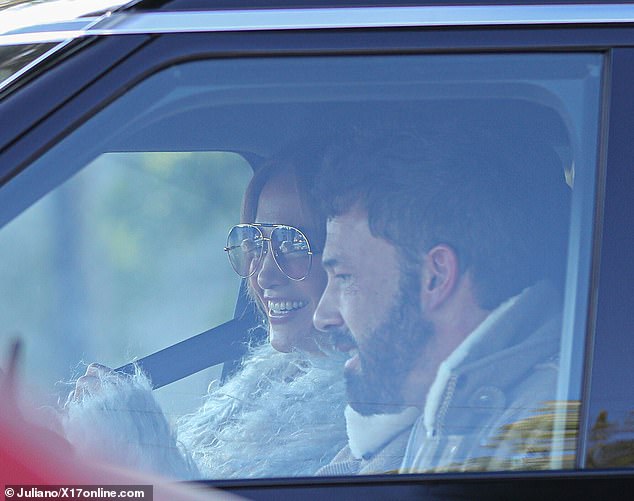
[285, 306]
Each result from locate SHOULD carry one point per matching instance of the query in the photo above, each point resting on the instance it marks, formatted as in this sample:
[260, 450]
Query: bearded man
[445, 256]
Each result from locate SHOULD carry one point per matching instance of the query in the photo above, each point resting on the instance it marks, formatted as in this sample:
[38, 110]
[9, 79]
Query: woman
[281, 413]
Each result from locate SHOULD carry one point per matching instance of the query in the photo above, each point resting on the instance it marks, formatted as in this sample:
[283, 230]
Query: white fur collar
[280, 415]
[366, 434]
[437, 388]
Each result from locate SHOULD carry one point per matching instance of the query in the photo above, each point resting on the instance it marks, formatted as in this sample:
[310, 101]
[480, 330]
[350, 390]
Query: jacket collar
[369, 434]
[508, 334]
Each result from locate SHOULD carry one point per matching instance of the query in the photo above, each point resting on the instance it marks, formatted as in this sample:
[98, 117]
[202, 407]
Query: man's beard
[388, 354]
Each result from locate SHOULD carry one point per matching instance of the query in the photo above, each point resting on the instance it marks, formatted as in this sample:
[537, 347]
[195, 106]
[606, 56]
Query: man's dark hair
[501, 203]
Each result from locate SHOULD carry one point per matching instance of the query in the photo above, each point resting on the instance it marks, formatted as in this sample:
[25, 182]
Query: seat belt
[224, 342]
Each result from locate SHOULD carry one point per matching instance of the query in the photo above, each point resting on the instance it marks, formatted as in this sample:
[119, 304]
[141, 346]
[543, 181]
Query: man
[445, 254]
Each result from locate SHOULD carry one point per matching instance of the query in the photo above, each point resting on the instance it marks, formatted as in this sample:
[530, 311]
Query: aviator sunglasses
[246, 248]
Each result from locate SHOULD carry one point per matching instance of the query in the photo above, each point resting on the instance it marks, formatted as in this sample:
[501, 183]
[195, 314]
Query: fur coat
[280, 415]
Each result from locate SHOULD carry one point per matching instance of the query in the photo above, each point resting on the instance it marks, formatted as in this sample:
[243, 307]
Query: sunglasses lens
[244, 247]
[291, 251]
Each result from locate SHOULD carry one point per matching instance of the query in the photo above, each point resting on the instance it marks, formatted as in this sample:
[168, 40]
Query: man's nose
[269, 274]
[326, 316]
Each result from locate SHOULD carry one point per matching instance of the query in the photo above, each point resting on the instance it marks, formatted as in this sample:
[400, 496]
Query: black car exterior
[84, 74]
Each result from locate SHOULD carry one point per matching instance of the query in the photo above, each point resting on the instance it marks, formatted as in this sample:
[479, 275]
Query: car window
[123, 239]
[446, 328]
[16, 57]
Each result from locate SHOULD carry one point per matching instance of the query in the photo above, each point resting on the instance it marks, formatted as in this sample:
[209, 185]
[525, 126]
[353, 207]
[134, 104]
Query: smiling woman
[289, 299]
[281, 414]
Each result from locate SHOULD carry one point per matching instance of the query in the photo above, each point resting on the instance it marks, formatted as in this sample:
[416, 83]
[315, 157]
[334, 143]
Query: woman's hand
[113, 417]
[91, 383]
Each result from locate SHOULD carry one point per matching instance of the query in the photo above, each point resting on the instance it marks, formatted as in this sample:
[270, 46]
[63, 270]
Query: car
[130, 135]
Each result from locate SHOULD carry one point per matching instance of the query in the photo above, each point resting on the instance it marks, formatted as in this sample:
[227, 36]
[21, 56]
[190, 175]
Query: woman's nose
[269, 274]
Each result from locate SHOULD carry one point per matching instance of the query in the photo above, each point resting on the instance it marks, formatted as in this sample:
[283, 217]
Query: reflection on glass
[611, 442]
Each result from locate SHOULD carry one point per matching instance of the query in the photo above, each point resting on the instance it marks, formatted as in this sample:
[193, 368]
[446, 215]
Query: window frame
[611, 305]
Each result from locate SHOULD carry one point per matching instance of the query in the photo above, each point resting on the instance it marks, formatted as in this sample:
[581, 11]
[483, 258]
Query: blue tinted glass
[441, 329]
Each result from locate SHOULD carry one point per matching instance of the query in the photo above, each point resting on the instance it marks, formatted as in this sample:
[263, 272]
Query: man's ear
[439, 276]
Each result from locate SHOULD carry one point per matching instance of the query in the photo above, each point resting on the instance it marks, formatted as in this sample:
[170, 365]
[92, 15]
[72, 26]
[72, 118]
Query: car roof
[52, 16]
[27, 16]
[20, 16]
[202, 5]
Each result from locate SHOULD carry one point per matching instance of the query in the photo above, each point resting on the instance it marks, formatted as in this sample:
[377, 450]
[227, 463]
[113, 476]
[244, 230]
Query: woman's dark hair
[300, 163]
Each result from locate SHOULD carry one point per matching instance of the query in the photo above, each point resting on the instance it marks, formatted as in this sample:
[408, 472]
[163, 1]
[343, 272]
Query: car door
[124, 165]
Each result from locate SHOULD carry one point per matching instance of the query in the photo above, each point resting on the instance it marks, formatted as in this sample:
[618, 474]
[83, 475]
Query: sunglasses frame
[268, 248]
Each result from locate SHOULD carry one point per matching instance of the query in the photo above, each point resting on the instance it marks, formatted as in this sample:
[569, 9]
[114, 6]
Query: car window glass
[112, 248]
[15, 57]
[120, 248]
